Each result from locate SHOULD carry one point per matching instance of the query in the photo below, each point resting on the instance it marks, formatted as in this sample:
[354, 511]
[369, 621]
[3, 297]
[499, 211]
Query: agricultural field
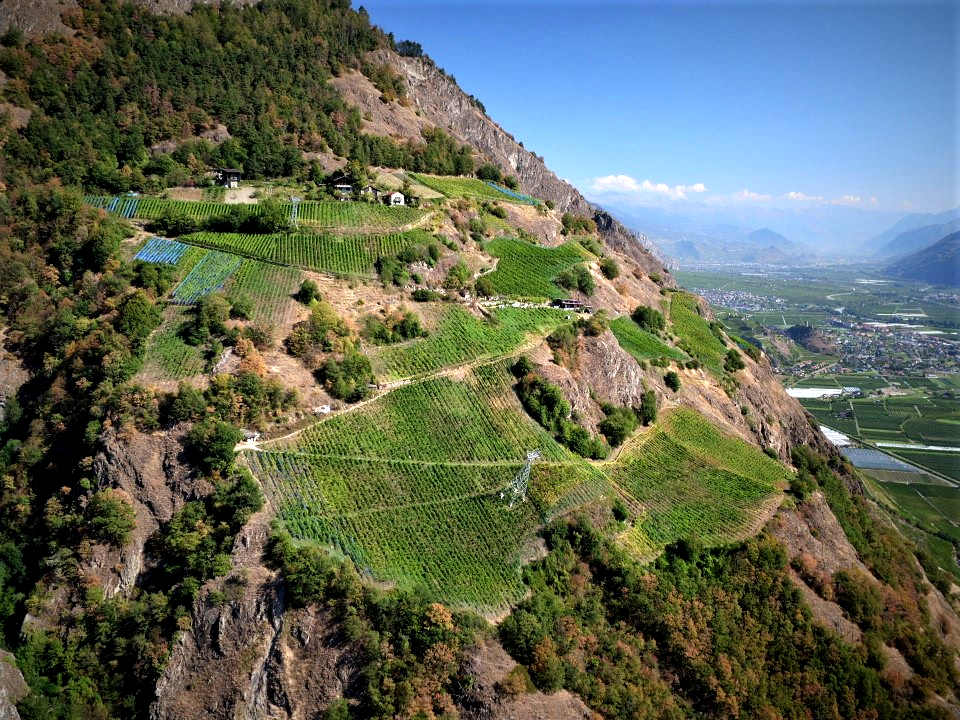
[461, 337]
[927, 514]
[167, 356]
[414, 485]
[525, 270]
[518, 196]
[322, 215]
[694, 332]
[270, 288]
[480, 421]
[339, 255]
[944, 463]
[640, 343]
[208, 275]
[162, 251]
[462, 187]
[684, 479]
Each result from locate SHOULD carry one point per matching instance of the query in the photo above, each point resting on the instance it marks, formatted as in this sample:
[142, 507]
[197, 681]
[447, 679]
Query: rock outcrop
[153, 473]
[13, 688]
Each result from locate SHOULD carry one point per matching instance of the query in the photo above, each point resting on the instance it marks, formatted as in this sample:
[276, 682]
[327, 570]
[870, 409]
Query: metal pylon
[518, 488]
[295, 212]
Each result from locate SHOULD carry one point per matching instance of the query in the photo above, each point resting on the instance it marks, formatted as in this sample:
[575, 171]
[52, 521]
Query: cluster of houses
[340, 184]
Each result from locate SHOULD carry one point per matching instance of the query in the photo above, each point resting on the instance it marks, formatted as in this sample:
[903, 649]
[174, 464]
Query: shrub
[672, 380]
[489, 172]
[522, 367]
[733, 361]
[649, 318]
[577, 277]
[457, 277]
[347, 378]
[648, 408]
[212, 443]
[618, 425]
[620, 510]
[110, 518]
[308, 292]
[398, 326]
[424, 295]
[609, 268]
[484, 286]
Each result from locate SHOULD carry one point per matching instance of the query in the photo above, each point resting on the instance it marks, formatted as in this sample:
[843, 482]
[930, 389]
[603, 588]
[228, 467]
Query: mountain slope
[910, 241]
[906, 224]
[938, 263]
[354, 559]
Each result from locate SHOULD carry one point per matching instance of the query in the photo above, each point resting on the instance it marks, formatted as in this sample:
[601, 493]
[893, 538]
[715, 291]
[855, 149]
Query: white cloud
[803, 197]
[846, 200]
[629, 185]
[750, 195]
[873, 201]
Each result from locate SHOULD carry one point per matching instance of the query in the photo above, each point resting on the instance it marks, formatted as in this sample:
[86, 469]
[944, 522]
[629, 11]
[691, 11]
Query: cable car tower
[518, 487]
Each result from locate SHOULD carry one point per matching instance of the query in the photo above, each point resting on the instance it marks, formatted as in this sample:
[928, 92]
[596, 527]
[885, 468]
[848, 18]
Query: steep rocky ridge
[152, 472]
[437, 99]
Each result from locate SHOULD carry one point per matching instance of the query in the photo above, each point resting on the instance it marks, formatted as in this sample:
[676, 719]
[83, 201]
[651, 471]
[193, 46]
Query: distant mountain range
[701, 232]
[938, 263]
[886, 243]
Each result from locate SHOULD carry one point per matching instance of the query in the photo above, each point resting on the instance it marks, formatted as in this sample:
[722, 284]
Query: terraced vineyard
[640, 343]
[208, 275]
[526, 270]
[695, 334]
[687, 480]
[329, 214]
[462, 187]
[167, 356]
[341, 255]
[462, 337]
[410, 485]
[270, 288]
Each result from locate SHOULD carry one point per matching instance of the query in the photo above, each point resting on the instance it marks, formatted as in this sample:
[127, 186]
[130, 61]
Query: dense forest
[105, 100]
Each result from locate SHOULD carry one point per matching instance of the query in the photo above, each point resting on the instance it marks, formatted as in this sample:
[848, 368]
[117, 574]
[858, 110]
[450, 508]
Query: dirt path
[386, 388]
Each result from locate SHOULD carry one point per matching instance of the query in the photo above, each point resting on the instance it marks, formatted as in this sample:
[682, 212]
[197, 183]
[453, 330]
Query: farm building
[394, 198]
[341, 185]
[370, 191]
[229, 177]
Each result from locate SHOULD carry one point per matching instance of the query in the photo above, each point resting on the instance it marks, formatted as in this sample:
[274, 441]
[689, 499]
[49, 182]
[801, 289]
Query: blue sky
[773, 103]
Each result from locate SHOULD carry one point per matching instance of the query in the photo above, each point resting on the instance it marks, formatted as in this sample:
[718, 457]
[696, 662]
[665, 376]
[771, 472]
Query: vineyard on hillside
[326, 215]
[461, 187]
[415, 485]
[527, 270]
[270, 289]
[684, 479]
[479, 421]
[168, 356]
[462, 337]
[640, 343]
[339, 255]
[694, 332]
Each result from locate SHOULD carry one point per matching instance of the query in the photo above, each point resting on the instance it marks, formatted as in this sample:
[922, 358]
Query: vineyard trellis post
[518, 487]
